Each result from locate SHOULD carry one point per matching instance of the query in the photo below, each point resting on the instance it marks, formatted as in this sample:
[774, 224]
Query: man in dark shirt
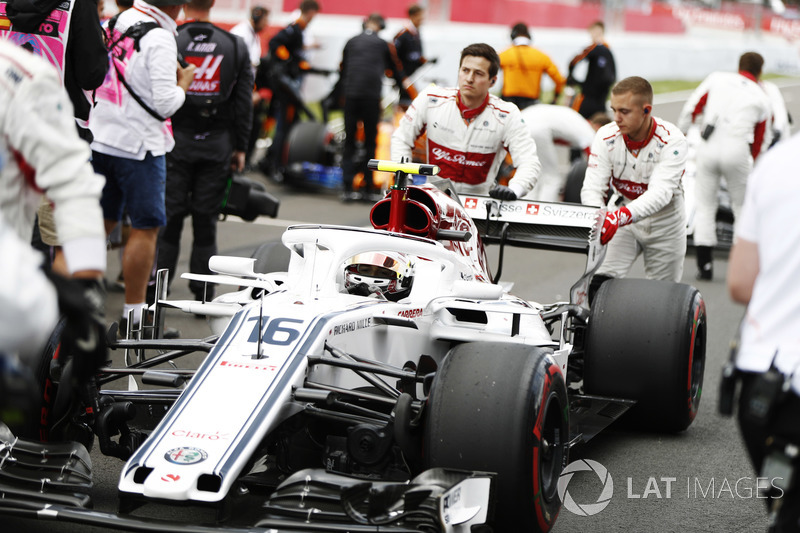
[211, 133]
[286, 68]
[409, 47]
[600, 75]
[364, 60]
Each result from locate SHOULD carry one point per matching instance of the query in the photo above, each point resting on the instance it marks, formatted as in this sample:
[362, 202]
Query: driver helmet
[390, 274]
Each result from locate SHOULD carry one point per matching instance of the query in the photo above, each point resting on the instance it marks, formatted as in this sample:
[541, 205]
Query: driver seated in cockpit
[389, 275]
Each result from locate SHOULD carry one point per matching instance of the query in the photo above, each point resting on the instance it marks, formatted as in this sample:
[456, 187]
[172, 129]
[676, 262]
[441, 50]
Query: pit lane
[640, 464]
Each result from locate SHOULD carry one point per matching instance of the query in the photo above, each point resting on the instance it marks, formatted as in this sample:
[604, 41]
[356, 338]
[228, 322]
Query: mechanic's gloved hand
[501, 192]
[82, 302]
[613, 221]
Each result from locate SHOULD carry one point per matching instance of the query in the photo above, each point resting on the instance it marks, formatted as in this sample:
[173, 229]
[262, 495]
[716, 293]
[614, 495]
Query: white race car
[384, 382]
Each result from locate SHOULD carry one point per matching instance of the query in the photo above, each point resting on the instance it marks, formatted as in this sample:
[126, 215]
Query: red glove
[614, 220]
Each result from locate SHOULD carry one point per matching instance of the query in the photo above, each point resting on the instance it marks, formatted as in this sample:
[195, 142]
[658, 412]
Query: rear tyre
[572, 189]
[502, 408]
[646, 341]
[306, 143]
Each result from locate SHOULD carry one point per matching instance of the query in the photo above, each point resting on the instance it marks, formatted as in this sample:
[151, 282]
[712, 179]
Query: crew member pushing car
[643, 159]
[469, 130]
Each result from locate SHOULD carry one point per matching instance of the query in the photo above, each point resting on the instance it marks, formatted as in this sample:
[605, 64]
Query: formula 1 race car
[383, 382]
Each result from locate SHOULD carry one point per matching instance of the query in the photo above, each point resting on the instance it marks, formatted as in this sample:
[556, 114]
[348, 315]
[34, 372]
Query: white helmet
[390, 274]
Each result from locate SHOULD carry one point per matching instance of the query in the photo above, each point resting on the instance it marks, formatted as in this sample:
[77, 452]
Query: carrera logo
[461, 159]
[532, 209]
[411, 313]
[470, 203]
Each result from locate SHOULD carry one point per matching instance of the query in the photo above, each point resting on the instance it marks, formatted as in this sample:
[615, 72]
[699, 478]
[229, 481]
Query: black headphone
[646, 110]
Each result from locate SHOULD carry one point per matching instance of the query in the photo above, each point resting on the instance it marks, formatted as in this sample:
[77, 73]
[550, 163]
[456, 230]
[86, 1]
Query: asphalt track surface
[699, 480]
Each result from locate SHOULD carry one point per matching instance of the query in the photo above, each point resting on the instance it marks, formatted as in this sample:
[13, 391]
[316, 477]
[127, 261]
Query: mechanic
[211, 130]
[601, 73]
[132, 135]
[408, 44]
[469, 130]
[643, 159]
[732, 110]
[523, 67]
[82, 62]
[250, 31]
[552, 125]
[365, 58]
[40, 151]
[287, 66]
[762, 274]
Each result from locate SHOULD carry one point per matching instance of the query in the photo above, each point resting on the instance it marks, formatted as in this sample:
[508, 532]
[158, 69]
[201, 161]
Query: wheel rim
[697, 363]
[551, 448]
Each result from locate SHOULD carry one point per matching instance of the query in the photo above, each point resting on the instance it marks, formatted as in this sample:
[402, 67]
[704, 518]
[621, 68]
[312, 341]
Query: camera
[249, 199]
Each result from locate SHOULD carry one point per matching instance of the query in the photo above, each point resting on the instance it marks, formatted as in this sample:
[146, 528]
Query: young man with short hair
[469, 131]
[642, 158]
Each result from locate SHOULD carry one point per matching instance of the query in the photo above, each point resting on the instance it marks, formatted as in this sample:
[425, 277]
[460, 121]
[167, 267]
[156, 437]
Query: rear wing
[559, 227]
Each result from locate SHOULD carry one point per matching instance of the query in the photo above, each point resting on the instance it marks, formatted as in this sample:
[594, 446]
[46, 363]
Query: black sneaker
[705, 272]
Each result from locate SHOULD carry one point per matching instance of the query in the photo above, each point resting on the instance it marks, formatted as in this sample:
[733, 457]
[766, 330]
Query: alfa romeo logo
[185, 455]
[585, 509]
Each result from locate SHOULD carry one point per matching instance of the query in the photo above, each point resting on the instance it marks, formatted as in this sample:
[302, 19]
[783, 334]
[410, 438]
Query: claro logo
[586, 509]
[461, 159]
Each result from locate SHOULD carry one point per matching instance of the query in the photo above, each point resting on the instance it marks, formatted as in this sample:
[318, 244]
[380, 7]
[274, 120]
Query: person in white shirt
[41, 152]
[469, 130]
[732, 110]
[552, 125]
[762, 274]
[250, 31]
[131, 132]
[642, 158]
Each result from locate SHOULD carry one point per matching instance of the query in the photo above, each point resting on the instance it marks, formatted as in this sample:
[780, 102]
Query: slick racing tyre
[502, 408]
[646, 341]
[574, 184]
[306, 143]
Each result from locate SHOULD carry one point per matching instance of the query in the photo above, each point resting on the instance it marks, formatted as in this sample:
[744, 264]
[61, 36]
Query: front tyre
[646, 341]
[502, 408]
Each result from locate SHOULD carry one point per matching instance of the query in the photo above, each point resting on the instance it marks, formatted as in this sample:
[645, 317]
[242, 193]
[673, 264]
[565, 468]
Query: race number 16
[277, 331]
